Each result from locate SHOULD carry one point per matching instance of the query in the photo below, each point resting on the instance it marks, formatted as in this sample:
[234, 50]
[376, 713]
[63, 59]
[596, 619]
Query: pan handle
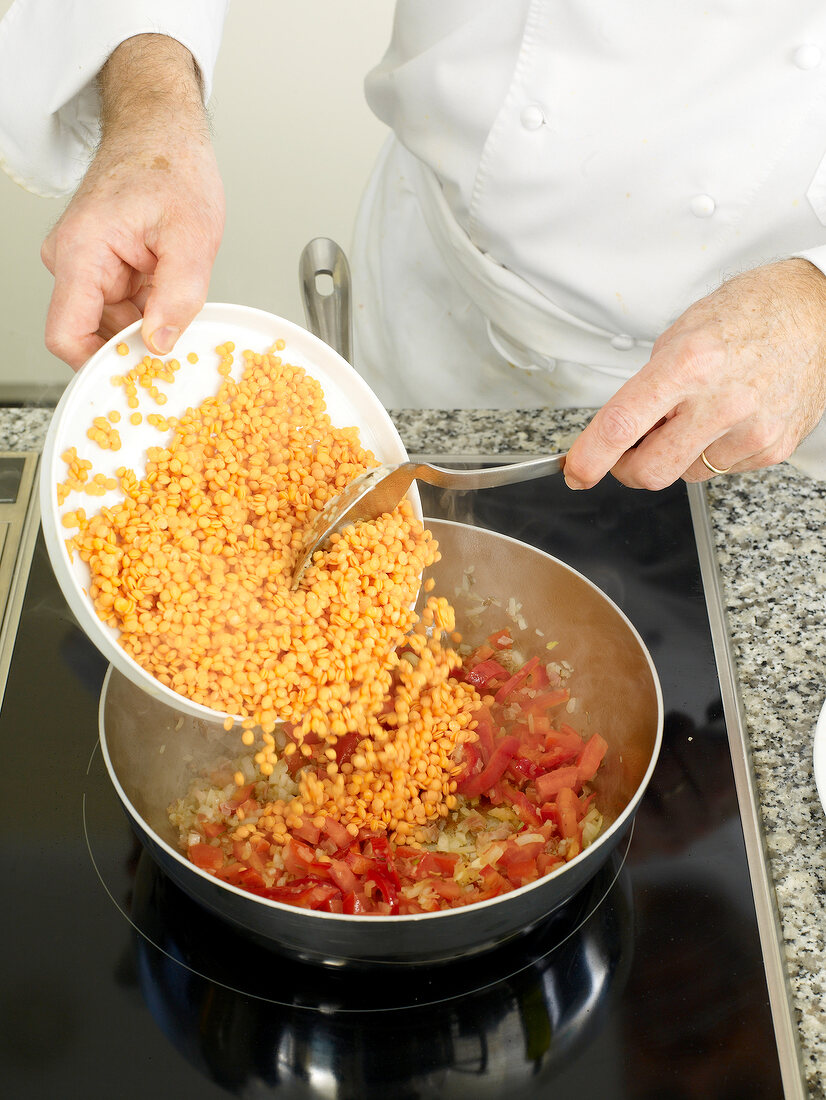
[327, 307]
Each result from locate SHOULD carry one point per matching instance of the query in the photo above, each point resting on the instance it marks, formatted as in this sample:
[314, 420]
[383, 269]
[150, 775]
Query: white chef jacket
[50, 54]
[565, 176]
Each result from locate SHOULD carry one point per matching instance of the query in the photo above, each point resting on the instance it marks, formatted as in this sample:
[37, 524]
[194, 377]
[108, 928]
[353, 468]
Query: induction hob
[663, 978]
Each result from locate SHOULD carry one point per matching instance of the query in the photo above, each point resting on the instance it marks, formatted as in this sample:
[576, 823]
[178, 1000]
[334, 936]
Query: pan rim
[461, 912]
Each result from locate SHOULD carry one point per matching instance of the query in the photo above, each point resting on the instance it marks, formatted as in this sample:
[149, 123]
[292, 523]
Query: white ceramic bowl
[819, 752]
[91, 393]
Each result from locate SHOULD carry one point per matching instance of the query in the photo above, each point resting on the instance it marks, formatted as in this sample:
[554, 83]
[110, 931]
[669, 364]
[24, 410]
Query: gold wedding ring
[710, 466]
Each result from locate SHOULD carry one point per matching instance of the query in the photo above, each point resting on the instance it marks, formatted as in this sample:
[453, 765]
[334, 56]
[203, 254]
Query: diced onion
[529, 838]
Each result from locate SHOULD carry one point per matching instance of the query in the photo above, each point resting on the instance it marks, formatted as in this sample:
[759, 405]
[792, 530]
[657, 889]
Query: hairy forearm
[151, 81]
[141, 232]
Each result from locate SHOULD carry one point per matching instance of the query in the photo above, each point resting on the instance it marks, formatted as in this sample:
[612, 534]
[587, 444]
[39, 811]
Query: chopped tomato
[569, 731]
[522, 871]
[556, 757]
[515, 680]
[410, 905]
[481, 653]
[539, 724]
[592, 756]
[342, 875]
[233, 873]
[493, 772]
[521, 768]
[236, 874]
[241, 795]
[375, 845]
[388, 889]
[484, 733]
[547, 861]
[564, 738]
[537, 678]
[337, 833]
[487, 670]
[552, 783]
[585, 801]
[495, 795]
[514, 852]
[307, 893]
[250, 880]
[521, 803]
[493, 884]
[307, 831]
[550, 814]
[294, 763]
[446, 888]
[353, 903]
[252, 854]
[359, 864]
[472, 760]
[436, 863]
[332, 905]
[346, 746]
[206, 856]
[404, 851]
[297, 857]
[567, 805]
[545, 700]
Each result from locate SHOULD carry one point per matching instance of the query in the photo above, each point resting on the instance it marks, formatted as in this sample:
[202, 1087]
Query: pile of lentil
[193, 567]
[524, 806]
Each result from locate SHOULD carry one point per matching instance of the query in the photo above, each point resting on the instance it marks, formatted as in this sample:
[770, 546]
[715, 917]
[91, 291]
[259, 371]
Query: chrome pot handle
[328, 311]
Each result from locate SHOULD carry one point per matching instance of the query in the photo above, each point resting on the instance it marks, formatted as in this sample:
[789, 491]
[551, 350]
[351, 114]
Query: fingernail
[572, 483]
[163, 339]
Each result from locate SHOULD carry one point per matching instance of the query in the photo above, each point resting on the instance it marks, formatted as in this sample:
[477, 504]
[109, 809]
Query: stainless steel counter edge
[20, 520]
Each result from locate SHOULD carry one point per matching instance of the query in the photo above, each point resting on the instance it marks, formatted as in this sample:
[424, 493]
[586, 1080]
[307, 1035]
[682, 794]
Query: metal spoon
[371, 494]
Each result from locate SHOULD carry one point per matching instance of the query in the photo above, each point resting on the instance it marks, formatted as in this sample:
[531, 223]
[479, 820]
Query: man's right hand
[141, 233]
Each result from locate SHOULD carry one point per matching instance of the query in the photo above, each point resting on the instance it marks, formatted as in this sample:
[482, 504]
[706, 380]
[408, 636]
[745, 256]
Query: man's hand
[740, 376]
[141, 233]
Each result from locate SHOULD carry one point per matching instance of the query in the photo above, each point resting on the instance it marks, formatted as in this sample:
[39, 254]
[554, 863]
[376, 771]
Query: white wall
[294, 139]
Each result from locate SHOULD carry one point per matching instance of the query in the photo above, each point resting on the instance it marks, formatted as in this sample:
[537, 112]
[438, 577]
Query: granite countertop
[768, 528]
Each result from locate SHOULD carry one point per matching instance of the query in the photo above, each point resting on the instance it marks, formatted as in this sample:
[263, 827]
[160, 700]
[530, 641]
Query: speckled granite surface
[23, 429]
[769, 531]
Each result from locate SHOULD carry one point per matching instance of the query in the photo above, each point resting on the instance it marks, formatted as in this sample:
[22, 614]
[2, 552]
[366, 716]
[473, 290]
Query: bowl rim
[51, 473]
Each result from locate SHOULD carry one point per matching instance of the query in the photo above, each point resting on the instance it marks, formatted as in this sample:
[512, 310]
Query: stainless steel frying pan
[152, 751]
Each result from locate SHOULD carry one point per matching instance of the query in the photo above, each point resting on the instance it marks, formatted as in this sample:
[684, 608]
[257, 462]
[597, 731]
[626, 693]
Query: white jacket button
[622, 342]
[532, 116]
[807, 57]
[703, 206]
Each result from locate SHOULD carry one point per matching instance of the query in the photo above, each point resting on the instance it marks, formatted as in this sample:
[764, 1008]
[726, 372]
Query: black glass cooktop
[649, 984]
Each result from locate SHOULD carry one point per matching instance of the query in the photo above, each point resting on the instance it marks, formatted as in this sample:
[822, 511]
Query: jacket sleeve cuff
[810, 455]
[816, 256]
[50, 56]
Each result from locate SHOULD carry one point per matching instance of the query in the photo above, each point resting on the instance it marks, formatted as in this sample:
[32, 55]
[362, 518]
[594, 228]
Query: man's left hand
[740, 377]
